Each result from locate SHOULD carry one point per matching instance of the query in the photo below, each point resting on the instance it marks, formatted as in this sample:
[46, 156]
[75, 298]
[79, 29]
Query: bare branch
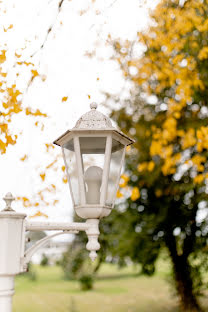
[60, 3]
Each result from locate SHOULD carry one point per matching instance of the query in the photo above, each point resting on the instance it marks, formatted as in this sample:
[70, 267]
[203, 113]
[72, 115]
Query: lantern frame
[94, 125]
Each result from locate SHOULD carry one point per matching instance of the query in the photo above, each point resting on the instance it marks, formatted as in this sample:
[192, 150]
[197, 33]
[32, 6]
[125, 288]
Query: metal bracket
[90, 227]
[30, 251]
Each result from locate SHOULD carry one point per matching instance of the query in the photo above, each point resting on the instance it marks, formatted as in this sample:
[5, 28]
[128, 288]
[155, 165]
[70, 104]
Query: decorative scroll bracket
[91, 227]
[30, 251]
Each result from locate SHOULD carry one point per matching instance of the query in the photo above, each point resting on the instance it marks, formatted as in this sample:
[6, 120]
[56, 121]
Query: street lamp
[93, 153]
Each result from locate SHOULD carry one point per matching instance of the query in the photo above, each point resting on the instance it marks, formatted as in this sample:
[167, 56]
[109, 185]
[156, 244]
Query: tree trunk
[184, 285]
[100, 260]
[183, 279]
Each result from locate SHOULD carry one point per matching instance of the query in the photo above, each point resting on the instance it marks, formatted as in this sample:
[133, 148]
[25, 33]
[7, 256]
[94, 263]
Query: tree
[166, 171]
[11, 100]
[18, 70]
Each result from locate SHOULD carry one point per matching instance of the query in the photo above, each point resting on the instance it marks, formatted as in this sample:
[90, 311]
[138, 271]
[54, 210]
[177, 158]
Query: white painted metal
[70, 134]
[93, 105]
[68, 178]
[93, 211]
[23, 245]
[6, 293]
[80, 171]
[56, 226]
[8, 198]
[11, 233]
[93, 234]
[93, 120]
[119, 176]
[104, 187]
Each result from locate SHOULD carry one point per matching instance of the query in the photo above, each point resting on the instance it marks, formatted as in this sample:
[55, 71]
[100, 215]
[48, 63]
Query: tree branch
[60, 3]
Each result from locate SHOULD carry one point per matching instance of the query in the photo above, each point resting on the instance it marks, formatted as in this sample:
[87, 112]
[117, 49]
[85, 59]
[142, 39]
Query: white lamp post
[93, 153]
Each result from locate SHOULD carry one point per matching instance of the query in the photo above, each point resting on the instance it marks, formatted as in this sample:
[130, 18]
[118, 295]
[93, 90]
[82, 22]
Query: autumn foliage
[174, 69]
[11, 99]
[167, 171]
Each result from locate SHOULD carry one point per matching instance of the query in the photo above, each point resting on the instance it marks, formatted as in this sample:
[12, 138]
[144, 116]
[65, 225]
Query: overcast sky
[80, 27]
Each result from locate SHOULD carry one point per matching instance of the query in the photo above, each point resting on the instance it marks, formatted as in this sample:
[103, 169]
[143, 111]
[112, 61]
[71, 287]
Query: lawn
[114, 291]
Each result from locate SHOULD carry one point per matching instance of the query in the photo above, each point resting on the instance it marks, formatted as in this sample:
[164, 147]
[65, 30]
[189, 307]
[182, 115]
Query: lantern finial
[93, 105]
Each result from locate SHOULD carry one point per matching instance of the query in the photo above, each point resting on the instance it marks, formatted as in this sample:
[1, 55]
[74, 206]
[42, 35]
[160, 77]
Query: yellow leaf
[143, 166]
[10, 27]
[39, 214]
[64, 99]
[124, 180]
[199, 179]
[151, 166]
[42, 175]
[26, 202]
[125, 177]
[23, 158]
[25, 199]
[135, 194]
[28, 63]
[34, 72]
[64, 180]
[203, 54]
[48, 146]
[10, 140]
[17, 55]
[119, 194]
[28, 111]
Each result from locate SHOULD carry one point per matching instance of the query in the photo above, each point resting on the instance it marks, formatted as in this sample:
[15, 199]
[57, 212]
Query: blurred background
[146, 64]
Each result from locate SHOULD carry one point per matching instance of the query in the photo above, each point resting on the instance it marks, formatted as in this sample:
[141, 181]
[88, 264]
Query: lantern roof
[93, 121]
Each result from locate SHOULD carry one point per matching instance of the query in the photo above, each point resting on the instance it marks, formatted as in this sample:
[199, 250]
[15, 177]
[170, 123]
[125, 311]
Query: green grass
[115, 291]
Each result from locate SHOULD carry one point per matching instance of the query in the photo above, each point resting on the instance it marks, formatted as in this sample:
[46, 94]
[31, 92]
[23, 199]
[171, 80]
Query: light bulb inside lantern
[93, 178]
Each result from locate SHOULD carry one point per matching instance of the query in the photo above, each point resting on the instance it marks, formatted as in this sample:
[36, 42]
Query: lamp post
[93, 153]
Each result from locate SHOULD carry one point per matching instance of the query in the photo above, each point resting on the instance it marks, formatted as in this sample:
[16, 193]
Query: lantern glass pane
[92, 145]
[115, 171]
[93, 155]
[72, 172]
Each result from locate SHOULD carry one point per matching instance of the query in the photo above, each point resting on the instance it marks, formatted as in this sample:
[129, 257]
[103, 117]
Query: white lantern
[94, 154]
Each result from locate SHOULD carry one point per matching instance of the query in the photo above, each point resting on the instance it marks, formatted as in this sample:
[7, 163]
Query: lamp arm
[91, 227]
[56, 226]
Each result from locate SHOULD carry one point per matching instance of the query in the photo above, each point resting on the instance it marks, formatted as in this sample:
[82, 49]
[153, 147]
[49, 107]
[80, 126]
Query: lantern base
[93, 211]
